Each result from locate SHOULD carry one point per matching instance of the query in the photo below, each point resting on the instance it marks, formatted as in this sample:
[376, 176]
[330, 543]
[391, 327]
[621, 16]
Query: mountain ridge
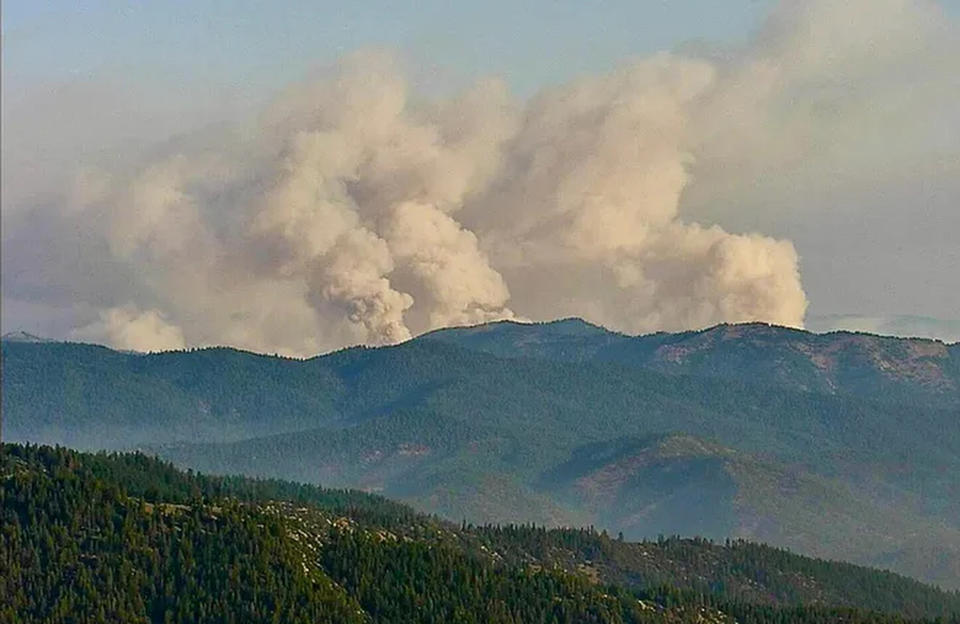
[451, 425]
[571, 323]
[22, 336]
[672, 351]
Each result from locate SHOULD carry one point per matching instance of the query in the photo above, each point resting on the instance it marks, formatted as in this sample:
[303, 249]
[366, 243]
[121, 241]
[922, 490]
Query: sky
[850, 155]
[152, 69]
[267, 44]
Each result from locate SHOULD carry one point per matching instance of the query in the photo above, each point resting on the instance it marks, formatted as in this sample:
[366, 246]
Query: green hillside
[846, 363]
[106, 538]
[642, 488]
[552, 437]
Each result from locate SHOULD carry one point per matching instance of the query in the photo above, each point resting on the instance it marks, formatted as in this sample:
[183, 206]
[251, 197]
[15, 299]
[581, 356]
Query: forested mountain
[859, 364]
[108, 538]
[843, 445]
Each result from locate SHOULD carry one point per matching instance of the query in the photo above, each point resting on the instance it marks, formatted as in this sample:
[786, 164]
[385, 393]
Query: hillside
[128, 538]
[555, 437]
[858, 364]
[642, 488]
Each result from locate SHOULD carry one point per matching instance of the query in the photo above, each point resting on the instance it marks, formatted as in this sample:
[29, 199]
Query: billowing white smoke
[356, 211]
[129, 328]
[384, 217]
[584, 218]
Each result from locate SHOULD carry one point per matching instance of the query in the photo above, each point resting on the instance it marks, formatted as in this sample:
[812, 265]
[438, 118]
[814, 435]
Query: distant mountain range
[947, 330]
[843, 445]
[22, 336]
[836, 363]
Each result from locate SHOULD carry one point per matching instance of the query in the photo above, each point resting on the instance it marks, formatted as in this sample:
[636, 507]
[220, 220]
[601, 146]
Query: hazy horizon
[907, 327]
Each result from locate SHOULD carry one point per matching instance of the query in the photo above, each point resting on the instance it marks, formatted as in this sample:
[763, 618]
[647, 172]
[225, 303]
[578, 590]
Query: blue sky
[267, 44]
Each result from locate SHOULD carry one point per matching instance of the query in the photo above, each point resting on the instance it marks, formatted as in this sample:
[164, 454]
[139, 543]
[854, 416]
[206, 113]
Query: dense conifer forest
[127, 538]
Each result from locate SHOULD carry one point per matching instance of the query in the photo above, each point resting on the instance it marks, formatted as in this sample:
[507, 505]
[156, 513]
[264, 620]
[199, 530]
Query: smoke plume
[355, 210]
